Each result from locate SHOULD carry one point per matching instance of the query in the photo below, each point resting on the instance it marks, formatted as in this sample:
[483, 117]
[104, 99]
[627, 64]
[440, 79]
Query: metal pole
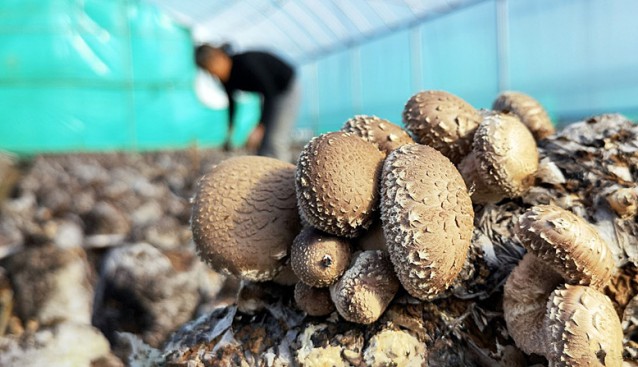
[357, 86]
[314, 99]
[416, 59]
[502, 44]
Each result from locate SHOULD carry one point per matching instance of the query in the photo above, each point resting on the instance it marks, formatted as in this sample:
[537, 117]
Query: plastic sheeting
[301, 29]
[105, 74]
[102, 74]
[577, 57]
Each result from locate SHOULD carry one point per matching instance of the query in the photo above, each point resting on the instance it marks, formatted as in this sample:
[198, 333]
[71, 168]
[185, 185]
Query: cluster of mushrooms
[373, 208]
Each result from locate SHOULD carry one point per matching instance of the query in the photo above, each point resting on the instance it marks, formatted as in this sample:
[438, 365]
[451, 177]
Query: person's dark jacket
[259, 72]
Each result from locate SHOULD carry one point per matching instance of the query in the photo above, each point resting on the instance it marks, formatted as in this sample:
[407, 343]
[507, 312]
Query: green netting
[102, 74]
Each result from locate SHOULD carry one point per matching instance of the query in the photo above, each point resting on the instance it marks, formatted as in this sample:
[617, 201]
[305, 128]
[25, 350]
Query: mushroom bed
[464, 238]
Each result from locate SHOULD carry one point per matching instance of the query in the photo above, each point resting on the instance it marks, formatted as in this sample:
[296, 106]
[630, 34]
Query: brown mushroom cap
[313, 301]
[427, 218]
[366, 289]
[568, 243]
[443, 121]
[318, 258]
[337, 183]
[525, 296]
[503, 161]
[245, 216]
[583, 328]
[529, 110]
[382, 133]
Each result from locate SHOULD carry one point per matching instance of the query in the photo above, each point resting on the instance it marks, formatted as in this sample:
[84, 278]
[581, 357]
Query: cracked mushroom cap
[313, 301]
[583, 328]
[245, 216]
[504, 159]
[318, 259]
[529, 110]
[427, 218]
[443, 121]
[382, 133]
[568, 243]
[366, 289]
[337, 183]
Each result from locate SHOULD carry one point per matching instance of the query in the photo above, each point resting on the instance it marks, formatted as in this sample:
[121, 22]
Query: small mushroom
[583, 328]
[568, 243]
[427, 218]
[337, 183]
[529, 110]
[318, 258]
[366, 289]
[503, 161]
[382, 133]
[624, 202]
[570, 325]
[313, 301]
[443, 121]
[245, 216]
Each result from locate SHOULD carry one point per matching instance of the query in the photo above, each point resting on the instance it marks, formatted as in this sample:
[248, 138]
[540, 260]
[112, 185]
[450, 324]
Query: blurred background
[92, 75]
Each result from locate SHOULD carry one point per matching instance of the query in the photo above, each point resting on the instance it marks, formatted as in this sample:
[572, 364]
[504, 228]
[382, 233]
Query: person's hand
[255, 138]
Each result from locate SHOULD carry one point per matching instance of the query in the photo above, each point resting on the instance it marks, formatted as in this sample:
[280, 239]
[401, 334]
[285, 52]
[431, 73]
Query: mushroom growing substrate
[411, 196]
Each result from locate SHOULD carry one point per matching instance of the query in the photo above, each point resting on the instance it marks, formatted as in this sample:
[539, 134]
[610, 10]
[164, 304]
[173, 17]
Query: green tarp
[102, 74]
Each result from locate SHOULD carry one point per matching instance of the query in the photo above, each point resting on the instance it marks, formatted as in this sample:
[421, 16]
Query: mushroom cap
[568, 243]
[529, 110]
[503, 161]
[318, 258]
[583, 328]
[382, 133]
[525, 296]
[427, 218]
[443, 121]
[366, 289]
[337, 183]
[313, 301]
[245, 216]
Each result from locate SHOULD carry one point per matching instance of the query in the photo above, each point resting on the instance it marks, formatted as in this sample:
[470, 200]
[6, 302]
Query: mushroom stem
[366, 288]
[525, 298]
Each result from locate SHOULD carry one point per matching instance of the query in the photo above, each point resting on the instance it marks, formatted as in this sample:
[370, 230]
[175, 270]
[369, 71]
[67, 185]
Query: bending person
[266, 74]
